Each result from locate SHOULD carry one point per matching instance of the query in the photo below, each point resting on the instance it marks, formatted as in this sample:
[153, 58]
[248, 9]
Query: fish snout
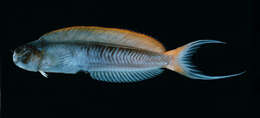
[22, 53]
[15, 59]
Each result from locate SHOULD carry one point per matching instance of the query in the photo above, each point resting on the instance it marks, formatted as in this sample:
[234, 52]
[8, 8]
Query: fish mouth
[15, 58]
[17, 61]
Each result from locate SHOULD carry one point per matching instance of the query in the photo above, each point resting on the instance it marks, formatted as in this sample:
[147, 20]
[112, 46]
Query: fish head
[27, 57]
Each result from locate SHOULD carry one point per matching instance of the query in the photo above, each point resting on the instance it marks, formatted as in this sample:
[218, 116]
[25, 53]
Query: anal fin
[124, 76]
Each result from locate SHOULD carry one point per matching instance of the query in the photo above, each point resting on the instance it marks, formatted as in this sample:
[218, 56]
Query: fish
[108, 54]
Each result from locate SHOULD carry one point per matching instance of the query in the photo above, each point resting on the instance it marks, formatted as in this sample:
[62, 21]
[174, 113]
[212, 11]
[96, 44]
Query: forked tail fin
[181, 61]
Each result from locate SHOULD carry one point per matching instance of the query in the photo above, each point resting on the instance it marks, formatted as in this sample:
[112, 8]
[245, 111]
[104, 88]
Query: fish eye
[23, 50]
[19, 49]
[26, 56]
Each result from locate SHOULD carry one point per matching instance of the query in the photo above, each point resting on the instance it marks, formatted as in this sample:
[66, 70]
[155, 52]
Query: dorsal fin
[105, 35]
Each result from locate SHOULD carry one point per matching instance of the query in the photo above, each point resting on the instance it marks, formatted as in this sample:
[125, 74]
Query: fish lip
[15, 59]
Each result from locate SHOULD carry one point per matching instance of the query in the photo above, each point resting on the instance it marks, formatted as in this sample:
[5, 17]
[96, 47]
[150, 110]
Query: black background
[29, 94]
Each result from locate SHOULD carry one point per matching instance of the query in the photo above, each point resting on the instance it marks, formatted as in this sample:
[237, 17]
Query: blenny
[108, 54]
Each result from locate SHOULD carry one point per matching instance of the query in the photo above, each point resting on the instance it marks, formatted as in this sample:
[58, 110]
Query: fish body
[72, 58]
[108, 54]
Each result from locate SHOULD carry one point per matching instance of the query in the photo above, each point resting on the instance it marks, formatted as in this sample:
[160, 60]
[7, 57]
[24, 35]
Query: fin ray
[124, 77]
[181, 61]
[43, 73]
[104, 35]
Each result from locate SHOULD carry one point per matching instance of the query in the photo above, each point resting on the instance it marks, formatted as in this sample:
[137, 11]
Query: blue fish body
[108, 54]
